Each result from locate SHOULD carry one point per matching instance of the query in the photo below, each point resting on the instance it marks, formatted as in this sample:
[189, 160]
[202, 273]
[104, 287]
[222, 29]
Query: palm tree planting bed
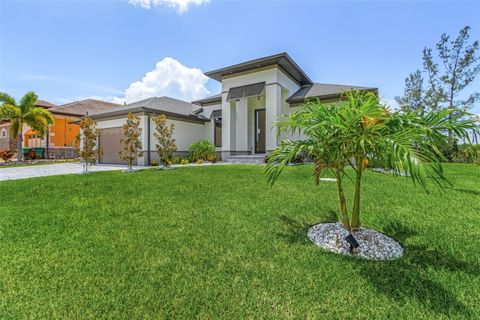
[373, 245]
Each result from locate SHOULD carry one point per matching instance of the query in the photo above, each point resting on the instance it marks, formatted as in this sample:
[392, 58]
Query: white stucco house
[239, 120]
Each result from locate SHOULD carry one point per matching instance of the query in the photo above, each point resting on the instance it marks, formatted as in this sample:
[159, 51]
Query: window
[251, 90]
[4, 133]
[218, 133]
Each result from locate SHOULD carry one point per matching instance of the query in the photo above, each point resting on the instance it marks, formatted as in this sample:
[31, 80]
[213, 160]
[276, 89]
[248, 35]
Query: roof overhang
[326, 97]
[282, 59]
[190, 118]
[216, 99]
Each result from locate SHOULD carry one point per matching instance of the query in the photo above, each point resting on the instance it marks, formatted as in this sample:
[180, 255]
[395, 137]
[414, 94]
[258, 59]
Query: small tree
[447, 76]
[359, 130]
[413, 95]
[87, 142]
[166, 145]
[132, 145]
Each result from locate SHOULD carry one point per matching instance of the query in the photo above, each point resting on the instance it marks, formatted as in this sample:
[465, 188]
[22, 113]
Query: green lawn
[216, 242]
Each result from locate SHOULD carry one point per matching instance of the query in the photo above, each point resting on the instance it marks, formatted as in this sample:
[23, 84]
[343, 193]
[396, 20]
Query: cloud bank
[181, 6]
[169, 78]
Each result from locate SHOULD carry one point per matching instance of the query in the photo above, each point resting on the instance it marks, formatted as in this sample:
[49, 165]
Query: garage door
[109, 141]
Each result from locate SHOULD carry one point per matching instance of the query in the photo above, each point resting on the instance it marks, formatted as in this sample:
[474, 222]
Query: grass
[216, 242]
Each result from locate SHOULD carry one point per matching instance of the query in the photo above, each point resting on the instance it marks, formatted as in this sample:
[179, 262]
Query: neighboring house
[60, 137]
[8, 142]
[239, 121]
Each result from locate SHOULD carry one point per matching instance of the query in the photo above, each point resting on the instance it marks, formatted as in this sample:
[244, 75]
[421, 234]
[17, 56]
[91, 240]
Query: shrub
[184, 161]
[201, 150]
[468, 153]
[6, 155]
[449, 151]
[212, 159]
[30, 154]
[199, 161]
[177, 160]
[154, 163]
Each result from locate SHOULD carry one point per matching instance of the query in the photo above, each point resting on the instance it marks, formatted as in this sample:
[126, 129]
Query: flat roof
[281, 59]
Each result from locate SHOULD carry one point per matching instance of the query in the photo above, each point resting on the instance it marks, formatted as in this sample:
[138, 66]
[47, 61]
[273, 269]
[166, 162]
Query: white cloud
[181, 6]
[390, 102]
[169, 78]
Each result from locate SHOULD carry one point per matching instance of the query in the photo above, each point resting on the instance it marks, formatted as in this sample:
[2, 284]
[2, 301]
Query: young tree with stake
[86, 142]
[132, 145]
[166, 145]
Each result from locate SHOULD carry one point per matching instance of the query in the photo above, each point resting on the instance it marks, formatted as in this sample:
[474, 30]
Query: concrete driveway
[51, 170]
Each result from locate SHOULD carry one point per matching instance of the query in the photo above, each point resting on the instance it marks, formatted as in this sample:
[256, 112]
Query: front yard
[217, 242]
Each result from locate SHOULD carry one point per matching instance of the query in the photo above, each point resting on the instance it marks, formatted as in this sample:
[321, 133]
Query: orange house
[61, 134]
[59, 142]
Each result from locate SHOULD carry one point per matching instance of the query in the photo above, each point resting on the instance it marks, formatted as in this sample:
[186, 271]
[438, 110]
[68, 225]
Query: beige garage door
[109, 141]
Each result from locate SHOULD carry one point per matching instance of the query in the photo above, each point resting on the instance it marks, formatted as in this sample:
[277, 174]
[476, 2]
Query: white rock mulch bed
[373, 245]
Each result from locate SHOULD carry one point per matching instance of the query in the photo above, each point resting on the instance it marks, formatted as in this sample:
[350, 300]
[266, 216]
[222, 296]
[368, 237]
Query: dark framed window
[218, 133]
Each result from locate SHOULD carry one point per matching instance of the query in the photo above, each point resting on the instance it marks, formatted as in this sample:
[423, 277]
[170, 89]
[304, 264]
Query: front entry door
[260, 131]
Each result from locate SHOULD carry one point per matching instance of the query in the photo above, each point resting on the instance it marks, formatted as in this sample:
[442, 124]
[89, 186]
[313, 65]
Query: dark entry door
[260, 131]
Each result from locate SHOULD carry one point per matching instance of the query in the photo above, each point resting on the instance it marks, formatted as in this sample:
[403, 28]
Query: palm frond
[39, 119]
[7, 99]
[28, 102]
[9, 112]
[285, 153]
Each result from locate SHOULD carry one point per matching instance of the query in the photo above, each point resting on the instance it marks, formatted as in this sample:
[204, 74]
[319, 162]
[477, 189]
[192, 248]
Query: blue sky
[67, 50]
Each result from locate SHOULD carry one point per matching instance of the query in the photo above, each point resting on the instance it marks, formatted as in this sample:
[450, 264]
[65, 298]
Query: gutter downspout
[47, 145]
[148, 140]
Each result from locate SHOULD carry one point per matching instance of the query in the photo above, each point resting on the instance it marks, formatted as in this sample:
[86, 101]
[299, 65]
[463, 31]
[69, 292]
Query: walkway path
[33, 171]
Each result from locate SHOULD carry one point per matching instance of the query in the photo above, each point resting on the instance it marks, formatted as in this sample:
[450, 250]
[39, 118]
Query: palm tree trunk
[19, 148]
[356, 200]
[19, 142]
[342, 201]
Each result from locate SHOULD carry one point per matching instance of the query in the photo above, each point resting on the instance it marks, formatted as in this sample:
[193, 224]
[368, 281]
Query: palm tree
[359, 130]
[24, 113]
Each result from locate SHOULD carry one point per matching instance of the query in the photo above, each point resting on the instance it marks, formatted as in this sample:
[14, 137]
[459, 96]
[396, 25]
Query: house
[239, 121]
[8, 142]
[60, 136]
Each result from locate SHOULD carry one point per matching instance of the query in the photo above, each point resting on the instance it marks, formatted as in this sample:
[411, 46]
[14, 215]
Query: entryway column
[144, 137]
[273, 106]
[228, 127]
[241, 126]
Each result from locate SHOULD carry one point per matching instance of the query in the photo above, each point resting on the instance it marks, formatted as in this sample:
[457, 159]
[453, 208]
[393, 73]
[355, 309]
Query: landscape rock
[373, 245]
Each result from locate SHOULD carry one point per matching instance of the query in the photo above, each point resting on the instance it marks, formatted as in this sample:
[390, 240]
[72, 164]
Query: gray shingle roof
[45, 104]
[84, 107]
[167, 105]
[323, 91]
